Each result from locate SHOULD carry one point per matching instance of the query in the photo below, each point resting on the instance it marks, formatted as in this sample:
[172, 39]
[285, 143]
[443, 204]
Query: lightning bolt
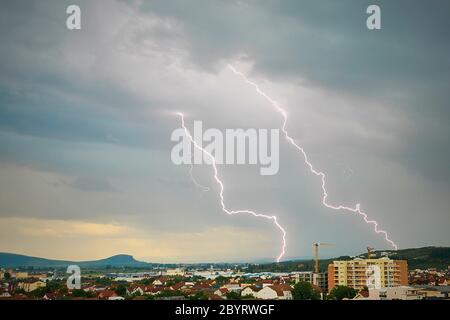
[280, 110]
[222, 189]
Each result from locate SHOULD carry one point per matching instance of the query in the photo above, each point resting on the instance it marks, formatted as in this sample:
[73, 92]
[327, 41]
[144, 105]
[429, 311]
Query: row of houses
[264, 289]
[429, 277]
[405, 293]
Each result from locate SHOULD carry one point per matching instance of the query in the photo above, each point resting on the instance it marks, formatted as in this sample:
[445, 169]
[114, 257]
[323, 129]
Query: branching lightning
[222, 189]
[357, 208]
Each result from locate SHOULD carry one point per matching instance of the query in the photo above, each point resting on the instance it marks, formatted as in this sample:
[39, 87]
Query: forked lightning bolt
[221, 191]
[320, 174]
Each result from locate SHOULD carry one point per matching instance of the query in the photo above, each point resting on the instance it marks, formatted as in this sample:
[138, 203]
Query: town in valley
[331, 279]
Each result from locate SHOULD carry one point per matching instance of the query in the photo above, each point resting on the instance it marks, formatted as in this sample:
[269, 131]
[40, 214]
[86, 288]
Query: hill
[18, 260]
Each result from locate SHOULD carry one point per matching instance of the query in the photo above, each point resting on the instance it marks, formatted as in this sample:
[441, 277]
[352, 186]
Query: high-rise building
[371, 273]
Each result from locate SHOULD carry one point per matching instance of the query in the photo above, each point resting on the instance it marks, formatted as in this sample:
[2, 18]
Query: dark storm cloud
[326, 43]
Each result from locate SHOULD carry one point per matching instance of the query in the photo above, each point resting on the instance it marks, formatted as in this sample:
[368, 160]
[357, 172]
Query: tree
[232, 295]
[174, 280]
[220, 280]
[7, 275]
[19, 291]
[341, 292]
[121, 290]
[39, 292]
[250, 280]
[53, 286]
[78, 293]
[63, 291]
[304, 291]
[199, 295]
[146, 282]
[103, 281]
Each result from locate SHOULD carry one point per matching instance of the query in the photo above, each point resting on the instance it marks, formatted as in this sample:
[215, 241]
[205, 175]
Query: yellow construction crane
[316, 252]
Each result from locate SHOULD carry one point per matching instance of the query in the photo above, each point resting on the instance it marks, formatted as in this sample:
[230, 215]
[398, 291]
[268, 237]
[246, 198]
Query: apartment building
[371, 273]
[319, 279]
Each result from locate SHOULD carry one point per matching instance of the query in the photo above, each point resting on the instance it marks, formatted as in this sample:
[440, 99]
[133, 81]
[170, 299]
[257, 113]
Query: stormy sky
[86, 118]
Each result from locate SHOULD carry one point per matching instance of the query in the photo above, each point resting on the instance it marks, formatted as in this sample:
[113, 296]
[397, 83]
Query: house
[275, 292]
[175, 272]
[139, 290]
[266, 282]
[172, 298]
[107, 294]
[434, 292]
[201, 287]
[250, 291]
[151, 290]
[395, 293]
[284, 291]
[233, 287]
[32, 285]
[161, 281]
[178, 286]
[221, 292]
[21, 275]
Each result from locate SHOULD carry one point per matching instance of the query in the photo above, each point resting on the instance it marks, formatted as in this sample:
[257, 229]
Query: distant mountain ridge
[18, 260]
[422, 258]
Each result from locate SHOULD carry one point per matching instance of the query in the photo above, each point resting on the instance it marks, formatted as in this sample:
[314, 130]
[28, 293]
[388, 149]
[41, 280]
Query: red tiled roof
[280, 288]
[107, 294]
[200, 286]
[223, 290]
[162, 279]
[254, 288]
[177, 286]
[151, 289]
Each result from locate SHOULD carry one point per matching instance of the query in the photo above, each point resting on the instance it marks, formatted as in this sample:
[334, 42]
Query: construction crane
[316, 252]
[369, 252]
